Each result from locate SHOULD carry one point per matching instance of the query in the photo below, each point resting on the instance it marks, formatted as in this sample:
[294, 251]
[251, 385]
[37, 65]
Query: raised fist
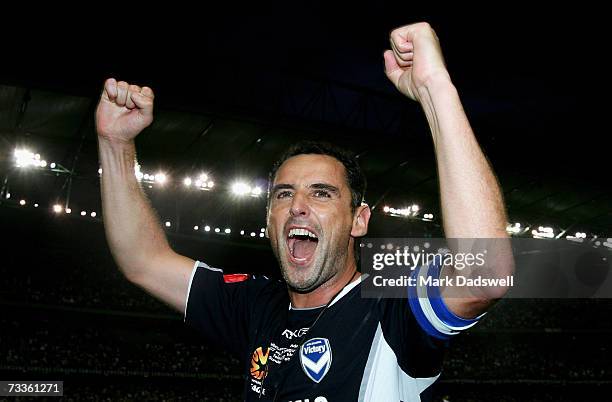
[124, 110]
[415, 59]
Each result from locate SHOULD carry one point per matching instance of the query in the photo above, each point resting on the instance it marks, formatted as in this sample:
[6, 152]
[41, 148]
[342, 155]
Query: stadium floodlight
[187, 181]
[242, 232]
[252, 234]
[146, 176]
[35, 205]
[210, 184]
[57, 208]
[93, 214]
[68, 210]
[228, 230]
[160, 177]
[8, 195]
[256, 191]
[261, 235]
[203, 177]
[42, 163]
[262, 230]
[22, 202]
[207, 228]
[52, 165]
[25, 158]
[83, 213]
[386, 209]
[415, 208]
[240, 188]
[100, 171]
[217, 230]
[168, 224]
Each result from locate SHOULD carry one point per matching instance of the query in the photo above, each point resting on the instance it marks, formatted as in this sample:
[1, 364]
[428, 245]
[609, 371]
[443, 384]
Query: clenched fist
[415, 59]
[124, 110]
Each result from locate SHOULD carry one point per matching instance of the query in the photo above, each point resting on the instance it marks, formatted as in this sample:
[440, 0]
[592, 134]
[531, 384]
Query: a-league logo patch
[316, 358]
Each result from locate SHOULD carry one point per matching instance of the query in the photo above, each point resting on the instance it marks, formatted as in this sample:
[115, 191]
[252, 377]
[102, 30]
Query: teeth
[301, 232]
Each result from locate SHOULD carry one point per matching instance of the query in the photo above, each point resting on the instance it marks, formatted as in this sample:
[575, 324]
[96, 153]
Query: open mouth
[302, 245]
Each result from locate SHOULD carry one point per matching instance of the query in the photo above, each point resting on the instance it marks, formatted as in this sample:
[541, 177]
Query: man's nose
[299, 206]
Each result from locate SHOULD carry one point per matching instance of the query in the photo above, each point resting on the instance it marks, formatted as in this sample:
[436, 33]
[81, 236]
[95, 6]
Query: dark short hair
[355, 178]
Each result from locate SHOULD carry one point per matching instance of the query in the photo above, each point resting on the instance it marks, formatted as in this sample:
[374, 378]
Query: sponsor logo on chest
[316, 358]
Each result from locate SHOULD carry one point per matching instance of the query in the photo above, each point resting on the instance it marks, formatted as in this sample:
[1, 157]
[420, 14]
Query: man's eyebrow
[282, 186]
[325, 186]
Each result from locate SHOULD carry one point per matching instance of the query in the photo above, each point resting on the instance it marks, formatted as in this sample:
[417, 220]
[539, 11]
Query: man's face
[310, 220]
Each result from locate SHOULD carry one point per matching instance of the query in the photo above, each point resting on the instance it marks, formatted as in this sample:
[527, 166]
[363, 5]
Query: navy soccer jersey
[359, 349]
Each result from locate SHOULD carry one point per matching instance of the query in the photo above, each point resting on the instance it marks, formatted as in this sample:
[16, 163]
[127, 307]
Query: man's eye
[321, 193]
[283, 194]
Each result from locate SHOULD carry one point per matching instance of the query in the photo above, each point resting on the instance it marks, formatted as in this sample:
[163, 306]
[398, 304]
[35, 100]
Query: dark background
[233, 89]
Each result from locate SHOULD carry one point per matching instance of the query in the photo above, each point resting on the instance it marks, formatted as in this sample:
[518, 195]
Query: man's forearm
[132, 227]
[472, 204]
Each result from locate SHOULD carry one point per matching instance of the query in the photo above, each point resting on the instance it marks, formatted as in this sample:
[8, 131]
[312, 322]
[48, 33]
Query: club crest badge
[316, 358]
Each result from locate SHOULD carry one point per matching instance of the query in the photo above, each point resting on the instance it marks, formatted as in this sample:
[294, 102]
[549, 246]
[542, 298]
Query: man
[313, 337]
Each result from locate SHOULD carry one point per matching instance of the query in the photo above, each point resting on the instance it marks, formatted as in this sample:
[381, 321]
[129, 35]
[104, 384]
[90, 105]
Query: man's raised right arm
[134, 234]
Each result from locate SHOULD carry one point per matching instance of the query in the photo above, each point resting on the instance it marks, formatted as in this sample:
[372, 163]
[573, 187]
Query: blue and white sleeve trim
[429, 309]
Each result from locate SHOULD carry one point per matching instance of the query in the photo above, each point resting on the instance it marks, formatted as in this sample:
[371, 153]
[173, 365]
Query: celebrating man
[312, 336]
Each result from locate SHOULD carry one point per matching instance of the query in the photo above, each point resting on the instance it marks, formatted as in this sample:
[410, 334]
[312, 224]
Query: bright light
[386, 209]
[68, 210]
[52, 165]
[168, 224]
[228, 231]
[25, 158]
[93, 214]
[262, 230]
[415, 208]
[22, 202]
[203, 177]
[100, 171]
[211, 184]
[83, 213]
[198, 183]
[548, 234]
[195, 227]
[240, 188]
[160, 178]
[428, 216]
[207, 228]
[217, 230]
[139, 175]
[146, 176]
[57, 208]
[514, 228]
[35, 205]
[187, 181]
[256, 191]
[261, 235]
[252, 234]
[242, 232]
[8, 195]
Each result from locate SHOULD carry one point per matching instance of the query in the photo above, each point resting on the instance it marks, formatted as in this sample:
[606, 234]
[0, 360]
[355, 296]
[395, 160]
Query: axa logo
[316, 358]
[259, 362]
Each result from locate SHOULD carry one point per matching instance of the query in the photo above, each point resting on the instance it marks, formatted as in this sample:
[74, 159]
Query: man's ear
[361, 218]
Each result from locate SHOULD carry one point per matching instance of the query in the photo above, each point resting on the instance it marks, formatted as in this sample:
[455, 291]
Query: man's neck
[324, 293]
